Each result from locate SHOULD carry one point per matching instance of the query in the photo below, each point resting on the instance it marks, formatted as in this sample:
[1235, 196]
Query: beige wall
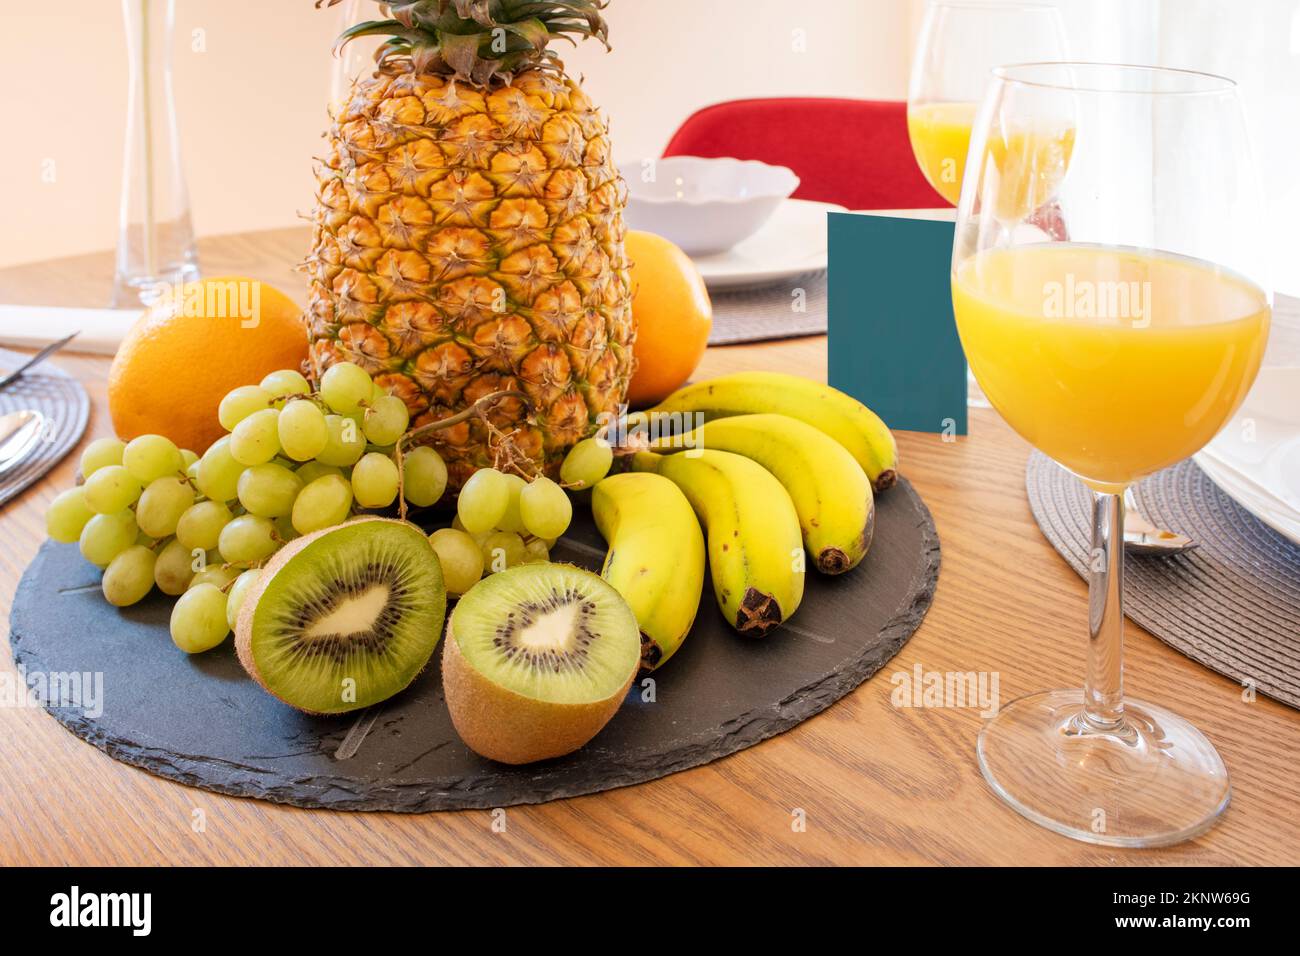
[252, 102]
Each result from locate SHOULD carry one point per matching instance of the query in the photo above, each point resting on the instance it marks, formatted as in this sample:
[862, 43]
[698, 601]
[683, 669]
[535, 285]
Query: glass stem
[1103, 690]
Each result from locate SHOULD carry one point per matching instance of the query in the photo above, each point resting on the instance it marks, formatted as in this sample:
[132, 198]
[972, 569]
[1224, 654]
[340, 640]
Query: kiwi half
[537, 660]
[345, 617]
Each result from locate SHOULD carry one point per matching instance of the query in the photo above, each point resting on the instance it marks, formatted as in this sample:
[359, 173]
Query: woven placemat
[1232, 604]
[783, 310]
[66, 407]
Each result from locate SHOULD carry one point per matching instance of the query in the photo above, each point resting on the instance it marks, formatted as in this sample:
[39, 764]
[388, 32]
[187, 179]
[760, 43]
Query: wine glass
[960, 43]
[1117, 339]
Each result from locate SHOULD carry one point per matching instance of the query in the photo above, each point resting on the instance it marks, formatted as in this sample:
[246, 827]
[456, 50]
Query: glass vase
[155, 247]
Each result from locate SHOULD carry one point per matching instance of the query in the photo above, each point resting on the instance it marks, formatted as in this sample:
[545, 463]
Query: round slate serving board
[199, 720]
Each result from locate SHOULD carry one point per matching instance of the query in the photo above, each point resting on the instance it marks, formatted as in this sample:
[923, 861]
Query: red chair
[852, 152]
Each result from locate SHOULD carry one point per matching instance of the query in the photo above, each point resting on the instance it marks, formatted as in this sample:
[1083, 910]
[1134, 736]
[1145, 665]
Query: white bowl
[704, 205]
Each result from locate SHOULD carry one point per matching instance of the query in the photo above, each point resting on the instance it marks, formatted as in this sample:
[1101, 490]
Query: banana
[844, 418]
[829, 489]
[755, 551]
[655, 559]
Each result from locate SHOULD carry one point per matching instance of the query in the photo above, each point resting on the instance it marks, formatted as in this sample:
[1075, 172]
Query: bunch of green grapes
[501, 521]
[296, 460]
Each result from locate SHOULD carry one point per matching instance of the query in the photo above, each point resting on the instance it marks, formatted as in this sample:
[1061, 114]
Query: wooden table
[878, 784]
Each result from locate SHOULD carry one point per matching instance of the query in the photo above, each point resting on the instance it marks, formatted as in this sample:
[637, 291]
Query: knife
[36, 359]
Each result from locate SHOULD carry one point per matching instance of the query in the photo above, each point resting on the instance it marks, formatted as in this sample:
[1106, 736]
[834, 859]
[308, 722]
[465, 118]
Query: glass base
[1152, 780]
[133, 290]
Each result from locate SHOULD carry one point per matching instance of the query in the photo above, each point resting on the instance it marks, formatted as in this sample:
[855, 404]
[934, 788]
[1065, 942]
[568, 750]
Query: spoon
[19, 433]
[1142, 537]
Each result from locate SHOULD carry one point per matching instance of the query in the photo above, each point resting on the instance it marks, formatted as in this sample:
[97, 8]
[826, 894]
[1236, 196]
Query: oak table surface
[876, 784]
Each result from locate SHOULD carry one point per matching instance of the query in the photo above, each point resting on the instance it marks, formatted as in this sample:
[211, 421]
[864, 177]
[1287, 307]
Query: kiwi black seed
[345, 617]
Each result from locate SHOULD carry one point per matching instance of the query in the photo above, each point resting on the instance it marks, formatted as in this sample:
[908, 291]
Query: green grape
[188, 458]
[192, 472]
[346, 442]
[216, 574]
[545, 508]
[219, 472]
[478, 537]
[200, 526]
[424, 476]
[374, 481]
[106, 536]
[101, 452]
[483, 500]
[285, 382]
[129, 576]
[151, 457]
[503, 549]
[241, 402]
[536, 552]
[198, 620]
[110, 489]
[268, 490]
[312, 470]
[256, 439]
[247, 539]
[238, 591]
[461, 559]
[162, 504]
[386, 420]
[587, 462]
[512, 520]
[172, 571]
[67, 515]
[302, 430]
[325, 502]
[377, 393]
[345, 386]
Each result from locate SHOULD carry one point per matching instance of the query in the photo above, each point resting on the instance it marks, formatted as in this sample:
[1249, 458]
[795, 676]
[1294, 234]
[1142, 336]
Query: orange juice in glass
[940, 135]
[1117, 334]
[959, 43]
[1114, 362]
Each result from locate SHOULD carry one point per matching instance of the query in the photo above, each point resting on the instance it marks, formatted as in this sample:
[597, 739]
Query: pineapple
[468, 231]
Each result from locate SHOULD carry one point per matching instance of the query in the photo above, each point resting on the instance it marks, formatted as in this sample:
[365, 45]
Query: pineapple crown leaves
[478, 41]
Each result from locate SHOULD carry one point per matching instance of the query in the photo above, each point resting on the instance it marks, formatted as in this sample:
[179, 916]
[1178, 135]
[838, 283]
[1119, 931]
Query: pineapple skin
[470, 240]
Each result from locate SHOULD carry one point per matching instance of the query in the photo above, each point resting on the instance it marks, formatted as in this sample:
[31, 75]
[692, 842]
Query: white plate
[1256, 458]
[791, 243]
[1262, 506]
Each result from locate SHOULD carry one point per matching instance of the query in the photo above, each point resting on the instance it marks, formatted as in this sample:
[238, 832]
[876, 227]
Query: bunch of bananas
[782, 470]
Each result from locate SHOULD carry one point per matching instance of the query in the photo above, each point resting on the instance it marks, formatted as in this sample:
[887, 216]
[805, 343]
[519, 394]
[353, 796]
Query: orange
[192, 347]
[673, 316]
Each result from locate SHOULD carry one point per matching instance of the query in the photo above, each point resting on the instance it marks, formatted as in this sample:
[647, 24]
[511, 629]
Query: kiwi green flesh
[549, 632]
[363, 602]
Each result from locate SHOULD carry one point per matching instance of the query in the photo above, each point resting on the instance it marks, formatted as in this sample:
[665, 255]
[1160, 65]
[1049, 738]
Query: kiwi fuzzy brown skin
[509, 728]
[244, 625]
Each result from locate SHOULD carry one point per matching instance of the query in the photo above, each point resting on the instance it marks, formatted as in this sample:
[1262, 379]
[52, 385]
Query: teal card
[893, 343]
